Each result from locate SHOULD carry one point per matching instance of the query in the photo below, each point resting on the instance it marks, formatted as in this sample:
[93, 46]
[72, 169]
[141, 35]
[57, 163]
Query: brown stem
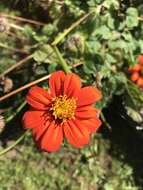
[23, 19]
[16, 65]
[24, 87]
[15, 26]
[78, 64]
[29, 85]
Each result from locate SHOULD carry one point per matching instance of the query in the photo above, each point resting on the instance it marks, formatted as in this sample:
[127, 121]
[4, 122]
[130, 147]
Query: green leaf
[132, 17]
[133, 97]
[110, 21]
[93, 3]
[28, 31]
[140, 43]
[109, 58]
[48, 29]
[121, 77]
[104, 72]
[40, 56]
[45, 55]
[93, 46]
[104, 32]
[89, 67]
[111, 4]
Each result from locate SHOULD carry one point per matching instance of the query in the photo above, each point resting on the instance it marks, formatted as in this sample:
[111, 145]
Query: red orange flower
[65, 111]
[140, 59]
[137, 72]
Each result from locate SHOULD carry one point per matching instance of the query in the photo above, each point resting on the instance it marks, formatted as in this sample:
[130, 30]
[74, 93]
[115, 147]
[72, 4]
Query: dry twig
[16, 65]
[23, 19]
[24, 87]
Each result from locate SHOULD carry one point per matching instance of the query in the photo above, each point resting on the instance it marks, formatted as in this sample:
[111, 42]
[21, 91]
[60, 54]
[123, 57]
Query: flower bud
[75, 43]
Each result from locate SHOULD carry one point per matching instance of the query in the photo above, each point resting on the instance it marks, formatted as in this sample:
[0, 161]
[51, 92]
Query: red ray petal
[35, 120]
[71, 138]
[56, 83]
[72, 84]
[88, 96]
[91, 124]
[75, 134]
[38, 98]
[52, 138]
[32, 119]
[39, 131]
[86, 112]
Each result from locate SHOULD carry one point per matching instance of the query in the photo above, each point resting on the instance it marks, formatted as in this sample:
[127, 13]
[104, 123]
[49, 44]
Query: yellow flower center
[63, 108]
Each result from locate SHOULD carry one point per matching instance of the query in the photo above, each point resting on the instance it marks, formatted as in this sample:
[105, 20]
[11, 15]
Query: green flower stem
[61, 36]
[4, 151]
[16, 112]
[62, 61]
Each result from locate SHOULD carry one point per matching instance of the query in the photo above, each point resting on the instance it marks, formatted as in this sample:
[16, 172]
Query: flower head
[65, 111]
[137, 72]
[140, 59]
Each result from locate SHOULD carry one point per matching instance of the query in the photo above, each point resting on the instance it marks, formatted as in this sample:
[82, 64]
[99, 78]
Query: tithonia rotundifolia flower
[137, 72]
[65, 111]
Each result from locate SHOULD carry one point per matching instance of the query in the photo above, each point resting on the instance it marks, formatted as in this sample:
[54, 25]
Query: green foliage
[132, 17]
[45, 54]
[25, 168]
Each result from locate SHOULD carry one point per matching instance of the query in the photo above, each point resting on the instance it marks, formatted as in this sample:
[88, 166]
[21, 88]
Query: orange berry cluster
[137, 72]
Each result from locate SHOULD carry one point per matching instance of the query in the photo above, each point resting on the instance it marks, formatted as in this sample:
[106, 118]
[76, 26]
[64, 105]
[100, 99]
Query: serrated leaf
[111, 4]
[121, 77]
[39, 56]
[132, 17]
[89, 67]
[45, 55]
[93, 46]
[104, 32]
[110, 22]
[134, 96]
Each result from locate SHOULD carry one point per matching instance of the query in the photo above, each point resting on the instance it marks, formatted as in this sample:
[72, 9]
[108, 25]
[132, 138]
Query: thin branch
[28, 85]
[14, 144]
[17, 27]
[24, 87]
[16, 65]
[23, 19]
[78, 64]
[8, 119]
[62, 61]
[13, 49]
[55, 42]
[73, 26]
